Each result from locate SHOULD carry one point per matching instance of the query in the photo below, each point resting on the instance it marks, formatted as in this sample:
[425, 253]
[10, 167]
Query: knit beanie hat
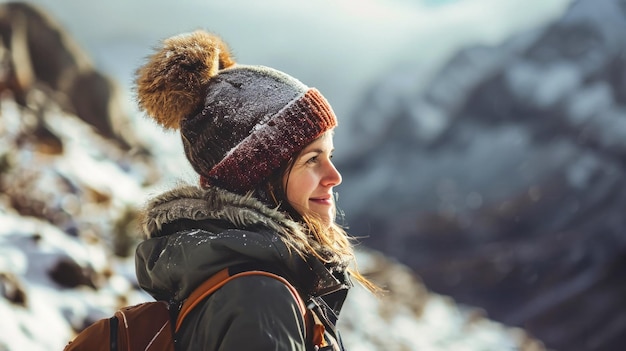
[238, 123]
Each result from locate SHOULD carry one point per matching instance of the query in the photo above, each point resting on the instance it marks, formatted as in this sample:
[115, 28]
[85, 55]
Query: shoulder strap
[222, 277]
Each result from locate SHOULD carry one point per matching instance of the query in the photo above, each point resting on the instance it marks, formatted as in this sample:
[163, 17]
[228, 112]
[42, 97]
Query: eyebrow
[316, 150]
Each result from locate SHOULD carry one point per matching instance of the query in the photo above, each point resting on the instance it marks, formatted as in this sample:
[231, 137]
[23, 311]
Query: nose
[332, 177]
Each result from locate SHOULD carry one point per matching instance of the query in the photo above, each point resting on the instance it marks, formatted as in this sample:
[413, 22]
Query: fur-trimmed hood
[194, 203]
[192, 233]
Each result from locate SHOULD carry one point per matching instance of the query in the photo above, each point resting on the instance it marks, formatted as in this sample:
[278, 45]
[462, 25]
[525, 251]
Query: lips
[324, 199]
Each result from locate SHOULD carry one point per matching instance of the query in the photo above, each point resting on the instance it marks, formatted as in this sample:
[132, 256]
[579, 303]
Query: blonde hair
[335, 238]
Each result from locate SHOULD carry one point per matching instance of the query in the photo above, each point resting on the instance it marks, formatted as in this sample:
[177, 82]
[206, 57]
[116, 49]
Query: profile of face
[309, 182]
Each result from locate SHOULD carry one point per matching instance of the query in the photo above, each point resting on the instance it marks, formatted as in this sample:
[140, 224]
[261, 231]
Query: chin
[324, 219]
[328, 221]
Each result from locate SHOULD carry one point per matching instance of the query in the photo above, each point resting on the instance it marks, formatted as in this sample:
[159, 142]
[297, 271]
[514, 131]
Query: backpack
[147, 326]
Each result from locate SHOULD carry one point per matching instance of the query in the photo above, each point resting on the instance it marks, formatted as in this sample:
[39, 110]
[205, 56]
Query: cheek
[299, 187]
[290, 184]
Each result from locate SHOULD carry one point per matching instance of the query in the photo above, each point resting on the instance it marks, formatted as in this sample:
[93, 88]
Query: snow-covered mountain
[502, 183]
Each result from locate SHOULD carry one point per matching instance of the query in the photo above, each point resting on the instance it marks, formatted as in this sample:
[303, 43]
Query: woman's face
[309, 184]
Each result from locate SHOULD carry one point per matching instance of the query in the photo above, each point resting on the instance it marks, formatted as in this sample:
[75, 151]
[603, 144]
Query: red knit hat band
[272, 143]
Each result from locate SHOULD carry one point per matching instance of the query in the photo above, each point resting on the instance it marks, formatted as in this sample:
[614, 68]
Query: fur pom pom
[172, 84]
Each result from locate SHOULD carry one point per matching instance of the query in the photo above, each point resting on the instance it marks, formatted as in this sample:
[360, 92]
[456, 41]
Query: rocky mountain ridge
[502, 183]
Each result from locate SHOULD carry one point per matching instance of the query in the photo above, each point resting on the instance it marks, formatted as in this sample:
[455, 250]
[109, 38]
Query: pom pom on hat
[172, 84]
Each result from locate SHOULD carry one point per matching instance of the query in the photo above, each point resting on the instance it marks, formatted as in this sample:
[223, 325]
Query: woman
[261, 142]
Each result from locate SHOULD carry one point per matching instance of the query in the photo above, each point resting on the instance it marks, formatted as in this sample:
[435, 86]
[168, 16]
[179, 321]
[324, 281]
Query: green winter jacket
[193, 233]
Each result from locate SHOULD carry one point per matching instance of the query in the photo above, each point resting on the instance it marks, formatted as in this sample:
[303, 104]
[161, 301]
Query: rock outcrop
[36, 53]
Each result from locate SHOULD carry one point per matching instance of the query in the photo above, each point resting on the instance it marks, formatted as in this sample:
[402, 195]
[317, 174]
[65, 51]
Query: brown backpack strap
[222, 277]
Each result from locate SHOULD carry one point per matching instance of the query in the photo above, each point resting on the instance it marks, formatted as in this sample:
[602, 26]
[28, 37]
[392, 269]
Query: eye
[312, 160]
